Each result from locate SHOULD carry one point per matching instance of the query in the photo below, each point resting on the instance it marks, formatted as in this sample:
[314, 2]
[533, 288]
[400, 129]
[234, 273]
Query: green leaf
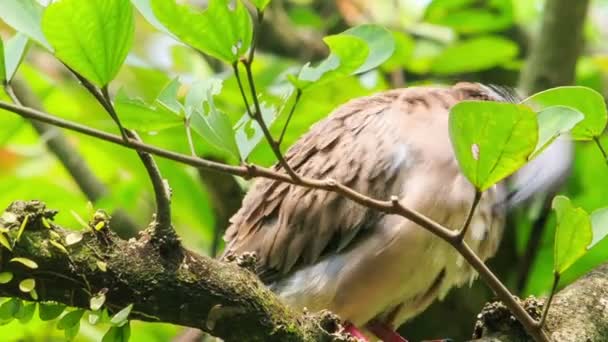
[26, 262]
[94, 317]
[92, 37]
[2, 63]
[404, 50]
[168, 97]
[14, 51]
[249, 133]
[50, 311]
[553, 122]
[26, 313]
[380, 43]
[9, 309]
[572, 235]
[120, 318]
[599, 224]
[22, 227]
[145, 8]
[27, 285]
[260, 4]
[59, 246]
[97, 301]
[4, 242]
[71, 332]
[137, 115]
[70, 319]
[475, 54]
[218, 31]
[491, 140]
[24, 16]
[206, 119]
[467, 16]
[6, 277]
[118, 334]
[585, 100]
[103, 267]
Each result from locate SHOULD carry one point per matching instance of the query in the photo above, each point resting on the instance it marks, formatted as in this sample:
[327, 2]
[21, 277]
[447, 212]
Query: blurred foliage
[437, 41]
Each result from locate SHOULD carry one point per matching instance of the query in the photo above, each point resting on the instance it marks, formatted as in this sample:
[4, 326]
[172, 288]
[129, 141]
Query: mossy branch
[186, 289]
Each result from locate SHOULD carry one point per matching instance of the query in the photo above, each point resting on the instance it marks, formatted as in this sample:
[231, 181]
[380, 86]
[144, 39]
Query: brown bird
[319, 250]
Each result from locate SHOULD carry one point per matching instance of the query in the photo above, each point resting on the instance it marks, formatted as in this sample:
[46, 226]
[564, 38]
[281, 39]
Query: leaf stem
[463, 231]
[549, 300]
[291, 111]
[599, 145]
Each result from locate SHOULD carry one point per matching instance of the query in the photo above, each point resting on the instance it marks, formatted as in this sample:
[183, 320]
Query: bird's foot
[354, 331]
[384, 332]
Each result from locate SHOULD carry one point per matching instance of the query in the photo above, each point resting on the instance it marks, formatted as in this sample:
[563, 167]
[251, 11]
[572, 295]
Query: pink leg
[384, 332]
[354, 331]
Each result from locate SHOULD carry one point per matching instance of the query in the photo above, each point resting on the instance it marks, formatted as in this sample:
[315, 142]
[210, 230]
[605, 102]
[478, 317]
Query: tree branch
[391, 206]
[69, 157]
[187, 289]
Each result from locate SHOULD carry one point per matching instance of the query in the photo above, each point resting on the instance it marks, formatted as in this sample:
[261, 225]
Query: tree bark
[177, 286]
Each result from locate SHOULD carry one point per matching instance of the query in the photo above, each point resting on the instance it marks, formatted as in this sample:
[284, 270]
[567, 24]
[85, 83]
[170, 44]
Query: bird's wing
[357, 145]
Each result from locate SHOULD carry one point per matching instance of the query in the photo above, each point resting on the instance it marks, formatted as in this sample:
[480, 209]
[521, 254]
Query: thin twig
[390, 207]
[549, 300]
[163, 230]
[291, 111]
[599, 145]
[235, 67]
[463, 231]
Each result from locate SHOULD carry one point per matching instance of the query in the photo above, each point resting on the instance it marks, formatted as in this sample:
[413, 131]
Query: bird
[321, 251]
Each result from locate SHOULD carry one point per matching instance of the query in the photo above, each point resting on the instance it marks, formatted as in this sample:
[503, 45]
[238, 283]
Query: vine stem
[391, 206]
[599, 145]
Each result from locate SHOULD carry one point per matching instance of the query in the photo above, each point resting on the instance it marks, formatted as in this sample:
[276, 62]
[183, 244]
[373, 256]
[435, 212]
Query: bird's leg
[384, 332]
[354, 331]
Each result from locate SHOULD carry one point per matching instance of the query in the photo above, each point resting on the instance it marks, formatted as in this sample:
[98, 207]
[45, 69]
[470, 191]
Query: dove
[321, 251]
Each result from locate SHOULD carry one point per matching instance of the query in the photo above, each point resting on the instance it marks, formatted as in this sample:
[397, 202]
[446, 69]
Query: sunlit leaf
[93, 37]
[26, 262]
[24, 16]
[71, 332]
[572, 235]
[475, 54]
[6, 277]
[70, 319]
[27, 285]
[249, 133]
[260, 4]
[14, 51]
[145, 8]
[599, 223]
[50, 311]
[4, 242]
[467, 16]
[491, 140]
[553, 122]
[97, 301]
[103, 267]
[121, 317]
[206, 119]
[73, 238]
[94, 317]
[585, 100]
[219, 31]
[117, 334]
[138, 115]
[168, 97]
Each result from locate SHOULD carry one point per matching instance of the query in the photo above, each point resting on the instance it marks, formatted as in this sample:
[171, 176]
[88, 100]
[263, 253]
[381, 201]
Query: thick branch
[578, 313]
[186, 289]
[552, 60]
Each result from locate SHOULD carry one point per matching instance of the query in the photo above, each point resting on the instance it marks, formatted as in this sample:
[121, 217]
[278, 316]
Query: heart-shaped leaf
[572, 235]
[97, 301]
[70, 319]
[585, 100]
[553, 122]
[92, 37]
[491, 140]
[219, 31]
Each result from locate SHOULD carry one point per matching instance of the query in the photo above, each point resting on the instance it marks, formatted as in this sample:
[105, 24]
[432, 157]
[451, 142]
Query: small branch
[237, 74]
[549, 300]
[463, 231]
[68, 156]
[291, 111]
[599, 145]
[389, 207]
[163, 228]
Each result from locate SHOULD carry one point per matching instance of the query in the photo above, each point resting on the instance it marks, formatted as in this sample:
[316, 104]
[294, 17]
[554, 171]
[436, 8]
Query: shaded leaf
[585, 100]
[9, 309]
[50, 311]
[553, 122]
[145, 8]
[22, 227]
[71, 332]
[92, 37]
[138, 115]
[491, 140]
[475, 54]
[118, 334]
[103, 267]
[24, 16]
[70, 319]
[572, 235]
[218, 31]
[26, 313]
[599, 224]
[249, 133]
